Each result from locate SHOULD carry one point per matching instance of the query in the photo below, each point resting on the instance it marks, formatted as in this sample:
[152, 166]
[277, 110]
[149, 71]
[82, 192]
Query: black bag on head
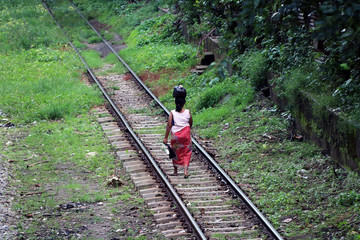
[179, 92]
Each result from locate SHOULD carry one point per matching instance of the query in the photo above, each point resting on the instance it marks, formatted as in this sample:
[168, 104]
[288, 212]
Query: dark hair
[180, 102]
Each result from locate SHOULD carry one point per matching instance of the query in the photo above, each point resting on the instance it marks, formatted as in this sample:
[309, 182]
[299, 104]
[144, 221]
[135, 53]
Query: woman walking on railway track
[180, 122]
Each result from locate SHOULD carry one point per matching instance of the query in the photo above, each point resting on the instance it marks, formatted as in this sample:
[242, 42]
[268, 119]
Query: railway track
[208, 205]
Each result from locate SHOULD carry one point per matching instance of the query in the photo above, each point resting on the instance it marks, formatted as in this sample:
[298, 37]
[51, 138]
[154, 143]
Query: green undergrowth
[79, 45]
[287, 84]
[122, 16]
[74, 26]
[151, 36]
[44, 86]
[56, 152]
[302, 192]
[155, 45]
[155, 30]
[155, 57]
[66, 162]
[253, 65]
[92, 58]
[25, 25]
[118, 67]
[213, 97]
[291, 80]
[39, 81]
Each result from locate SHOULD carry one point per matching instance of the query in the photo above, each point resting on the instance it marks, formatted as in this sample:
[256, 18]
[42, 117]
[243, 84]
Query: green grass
[213, 103]
[79, 45]
[154, 45]
[94, 39]
[122, 16]
[26, 25]
[44, 87]
[142, 54]
[155, 30]
[47, 81]
[93, 58]
[118, 66]
[64, 144]
[126, 21]
[107, 35]
[253, 67]
[42, 93]
[288, 179]
[154, 57]
[75, 27]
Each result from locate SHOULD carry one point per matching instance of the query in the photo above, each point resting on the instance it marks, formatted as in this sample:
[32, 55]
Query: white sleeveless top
[181, 120]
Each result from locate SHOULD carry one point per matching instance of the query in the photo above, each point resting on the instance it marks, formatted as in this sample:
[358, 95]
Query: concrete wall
[211, 44]
[339, 137]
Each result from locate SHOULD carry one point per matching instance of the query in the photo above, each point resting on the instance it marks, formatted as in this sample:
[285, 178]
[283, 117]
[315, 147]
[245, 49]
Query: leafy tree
[291, 34]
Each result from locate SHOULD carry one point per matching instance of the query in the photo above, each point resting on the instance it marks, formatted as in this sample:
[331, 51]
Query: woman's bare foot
[175, 172]
[186, 174]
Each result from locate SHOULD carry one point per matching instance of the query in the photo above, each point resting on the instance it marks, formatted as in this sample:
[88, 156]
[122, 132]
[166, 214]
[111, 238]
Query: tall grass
[125, 21]
[159, 29]
[33, 90]
[157, 56]
[26, 25]
[118, 66]
[41, 80]
[123, 16]
[253, 67]
[222, 100]
[93, 58]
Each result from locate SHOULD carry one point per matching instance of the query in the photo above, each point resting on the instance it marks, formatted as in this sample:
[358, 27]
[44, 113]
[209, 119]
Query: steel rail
[215, 165]
[222, 173]
[122, 61]
[162, 176]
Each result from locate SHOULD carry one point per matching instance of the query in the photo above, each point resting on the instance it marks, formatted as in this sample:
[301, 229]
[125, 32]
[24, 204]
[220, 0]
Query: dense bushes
[291, 35]
[254, 67]
[214, 99]
[211, 96]
[235, 92]
[155, 30]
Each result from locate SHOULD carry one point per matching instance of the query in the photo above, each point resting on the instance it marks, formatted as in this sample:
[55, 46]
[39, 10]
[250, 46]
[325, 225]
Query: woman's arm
[168, 128]
[190, 120]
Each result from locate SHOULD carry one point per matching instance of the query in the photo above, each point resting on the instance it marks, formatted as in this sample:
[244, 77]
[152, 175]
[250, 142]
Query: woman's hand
[168, 128]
